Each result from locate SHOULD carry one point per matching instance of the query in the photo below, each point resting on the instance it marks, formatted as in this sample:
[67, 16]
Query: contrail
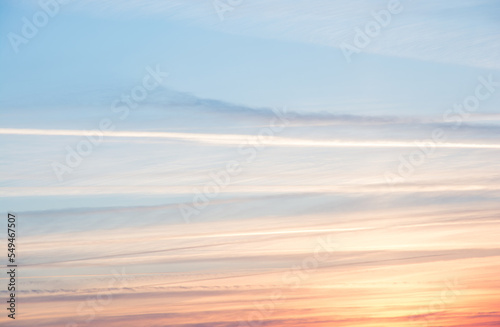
[287, 232]
[237, 139]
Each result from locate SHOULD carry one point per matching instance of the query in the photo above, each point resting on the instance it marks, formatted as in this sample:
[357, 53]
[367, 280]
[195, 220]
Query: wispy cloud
[447, 34]
[234, 139]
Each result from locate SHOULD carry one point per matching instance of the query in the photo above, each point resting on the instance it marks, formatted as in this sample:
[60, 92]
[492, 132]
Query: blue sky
[83, 49]
[373, 153]
[224, 76]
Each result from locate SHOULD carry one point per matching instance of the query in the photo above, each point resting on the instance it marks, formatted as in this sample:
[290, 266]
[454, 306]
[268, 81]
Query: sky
[252, 163]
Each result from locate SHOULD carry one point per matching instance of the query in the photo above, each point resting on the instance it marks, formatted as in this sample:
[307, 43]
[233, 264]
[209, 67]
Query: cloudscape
[219, 163]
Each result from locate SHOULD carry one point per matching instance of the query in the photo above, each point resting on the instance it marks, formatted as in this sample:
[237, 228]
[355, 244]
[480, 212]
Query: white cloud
[459, 32]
